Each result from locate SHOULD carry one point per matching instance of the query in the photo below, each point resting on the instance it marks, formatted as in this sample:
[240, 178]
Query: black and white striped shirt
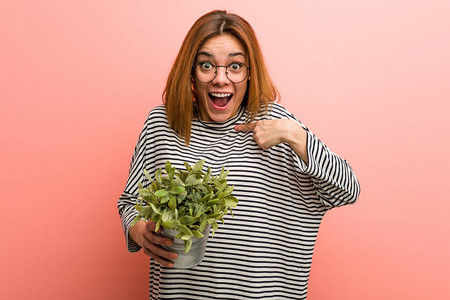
[265, 250]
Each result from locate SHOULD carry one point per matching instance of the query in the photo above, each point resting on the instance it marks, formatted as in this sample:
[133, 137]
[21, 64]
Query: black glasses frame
[215, 72]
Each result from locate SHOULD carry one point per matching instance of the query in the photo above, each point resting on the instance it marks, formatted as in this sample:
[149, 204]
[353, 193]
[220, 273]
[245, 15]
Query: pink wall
[77, 79]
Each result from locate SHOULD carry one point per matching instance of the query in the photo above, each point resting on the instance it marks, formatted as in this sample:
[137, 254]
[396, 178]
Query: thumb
[245, 127]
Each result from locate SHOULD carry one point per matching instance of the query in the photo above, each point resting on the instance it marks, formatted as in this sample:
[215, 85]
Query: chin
[219, 117]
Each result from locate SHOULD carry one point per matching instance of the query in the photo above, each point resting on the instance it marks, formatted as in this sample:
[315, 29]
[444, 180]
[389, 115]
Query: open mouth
[220, 100]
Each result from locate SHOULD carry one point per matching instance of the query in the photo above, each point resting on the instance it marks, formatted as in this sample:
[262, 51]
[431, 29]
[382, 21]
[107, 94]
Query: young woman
[219, 105]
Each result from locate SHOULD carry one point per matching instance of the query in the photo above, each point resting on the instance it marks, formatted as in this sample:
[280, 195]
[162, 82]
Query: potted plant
[186, 204]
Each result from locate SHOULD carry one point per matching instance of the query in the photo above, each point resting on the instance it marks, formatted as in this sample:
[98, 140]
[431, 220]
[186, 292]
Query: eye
[206, 66]
[235, 66]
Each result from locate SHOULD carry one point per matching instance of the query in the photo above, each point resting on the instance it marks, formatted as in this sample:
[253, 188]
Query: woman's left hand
[268, 133]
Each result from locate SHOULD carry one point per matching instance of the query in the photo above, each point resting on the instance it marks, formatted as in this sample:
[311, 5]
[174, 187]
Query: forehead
[222, 45]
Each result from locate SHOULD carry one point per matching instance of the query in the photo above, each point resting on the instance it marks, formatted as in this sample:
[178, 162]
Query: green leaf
[191, 180]
[157, 186]
[155, 217]
[207, 177]
[155, 209]
[138, 207]
[146, 210]
[186, 230]
[177, 190]
[187, 245]
[182, 211]
[187, 220]
[221, 195]
[144, 192]
[203, 225]
[135, 220]
[198, 165]
[153, 199]
[199, 212]
[231, 198]
[214, 228]
[212, 202]
[161, 193]
[215, 216]
[168, 167]
[185, 237]
[172, 203]
[181, 196]
[231, 212]
[206, 198]
[170, 224]
[178, 180]
[167, 215]
[196, 196]
[158, 224]
[165, 199]
[166, 181]
[158, 176]
[204, 189]
[223, 173]
[147, 175]
[197, 234]
[229, 203]
[229, 189]
[143, 198]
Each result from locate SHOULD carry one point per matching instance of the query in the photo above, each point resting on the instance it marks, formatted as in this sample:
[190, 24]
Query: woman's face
[220, 99]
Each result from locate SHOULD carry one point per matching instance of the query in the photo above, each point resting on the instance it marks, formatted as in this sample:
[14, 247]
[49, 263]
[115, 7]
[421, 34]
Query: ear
[194, 93]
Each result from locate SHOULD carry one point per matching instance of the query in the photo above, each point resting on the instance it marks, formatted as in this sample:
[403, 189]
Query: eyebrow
[232, 54]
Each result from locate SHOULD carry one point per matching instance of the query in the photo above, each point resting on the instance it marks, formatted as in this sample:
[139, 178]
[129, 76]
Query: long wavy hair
[179, 96]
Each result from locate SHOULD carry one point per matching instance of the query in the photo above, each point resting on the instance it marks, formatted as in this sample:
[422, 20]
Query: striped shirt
[265, 250]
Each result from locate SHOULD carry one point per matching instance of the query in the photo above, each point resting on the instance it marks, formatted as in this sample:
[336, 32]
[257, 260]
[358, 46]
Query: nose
[221, 75]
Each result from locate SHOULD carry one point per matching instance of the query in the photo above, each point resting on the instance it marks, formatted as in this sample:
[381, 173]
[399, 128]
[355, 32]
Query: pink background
[77, 79]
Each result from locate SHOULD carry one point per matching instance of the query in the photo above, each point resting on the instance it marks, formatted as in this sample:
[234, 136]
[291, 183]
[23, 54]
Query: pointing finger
[245, 127]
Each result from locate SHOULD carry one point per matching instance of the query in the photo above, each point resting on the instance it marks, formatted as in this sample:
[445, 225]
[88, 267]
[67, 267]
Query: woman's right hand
[143, 233]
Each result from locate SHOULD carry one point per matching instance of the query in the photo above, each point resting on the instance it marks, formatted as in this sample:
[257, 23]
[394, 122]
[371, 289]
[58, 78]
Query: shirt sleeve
[128, 198]
[334, 180]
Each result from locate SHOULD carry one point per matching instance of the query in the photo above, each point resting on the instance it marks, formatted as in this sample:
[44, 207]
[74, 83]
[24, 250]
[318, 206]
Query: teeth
[220, 95]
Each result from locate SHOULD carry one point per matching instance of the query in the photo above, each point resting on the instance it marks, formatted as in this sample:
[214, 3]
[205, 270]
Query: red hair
[179, 96]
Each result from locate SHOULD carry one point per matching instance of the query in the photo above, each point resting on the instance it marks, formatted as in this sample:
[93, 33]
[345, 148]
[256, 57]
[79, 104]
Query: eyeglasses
[206, 72]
